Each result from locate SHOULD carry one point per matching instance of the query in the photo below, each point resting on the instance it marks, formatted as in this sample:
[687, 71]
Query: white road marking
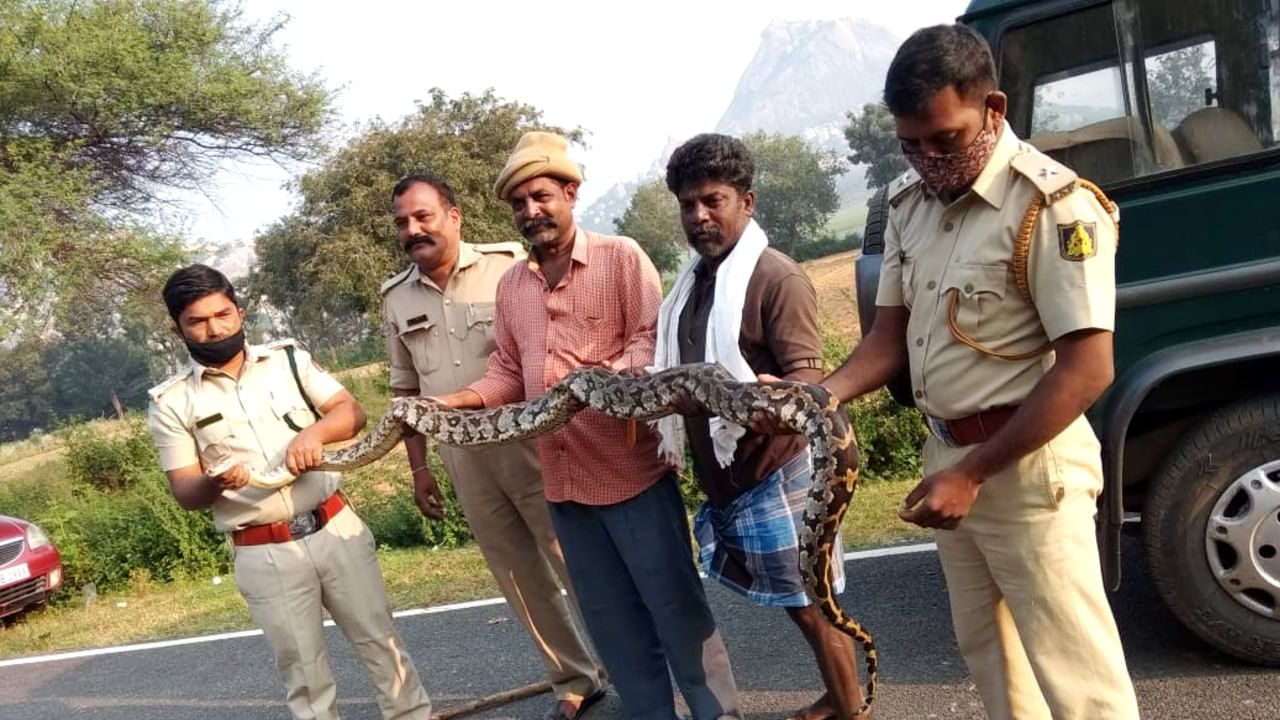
[413, 612]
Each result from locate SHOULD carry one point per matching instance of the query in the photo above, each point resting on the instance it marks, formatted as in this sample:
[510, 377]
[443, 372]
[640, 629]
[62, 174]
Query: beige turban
[537, 154]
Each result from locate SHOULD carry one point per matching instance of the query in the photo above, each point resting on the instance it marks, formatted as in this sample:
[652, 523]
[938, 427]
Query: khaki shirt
[932, 250]
[439, 340]
[202, 415]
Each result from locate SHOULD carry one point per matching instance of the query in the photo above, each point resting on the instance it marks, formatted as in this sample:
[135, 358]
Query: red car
[30, 566]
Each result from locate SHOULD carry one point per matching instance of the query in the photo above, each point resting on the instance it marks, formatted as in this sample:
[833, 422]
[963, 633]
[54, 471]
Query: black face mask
[218, 352]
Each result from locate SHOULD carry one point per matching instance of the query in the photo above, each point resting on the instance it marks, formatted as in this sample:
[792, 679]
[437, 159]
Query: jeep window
[1131, 88]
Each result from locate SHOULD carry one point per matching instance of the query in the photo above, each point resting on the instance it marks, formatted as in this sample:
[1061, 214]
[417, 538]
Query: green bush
[110, 462]
[825, 246]
[107, 538]
[384, 500]
[108, 509]
[890, 437]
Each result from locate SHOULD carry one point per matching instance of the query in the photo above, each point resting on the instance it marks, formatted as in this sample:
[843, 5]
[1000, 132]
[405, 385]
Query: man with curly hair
[752, 309]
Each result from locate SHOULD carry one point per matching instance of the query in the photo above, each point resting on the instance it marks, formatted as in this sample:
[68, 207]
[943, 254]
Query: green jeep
[1173, 107]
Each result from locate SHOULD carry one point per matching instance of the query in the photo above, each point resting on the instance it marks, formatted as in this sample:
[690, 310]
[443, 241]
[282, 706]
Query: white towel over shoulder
[723, 327]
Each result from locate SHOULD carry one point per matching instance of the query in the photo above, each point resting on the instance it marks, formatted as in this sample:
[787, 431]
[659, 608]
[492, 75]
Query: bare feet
[824, 709]
[821, 709]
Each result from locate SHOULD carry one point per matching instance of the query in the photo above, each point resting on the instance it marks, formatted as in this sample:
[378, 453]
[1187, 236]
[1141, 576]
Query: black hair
[934, 58]
[435, 181]
[189, 284]
[711, 156]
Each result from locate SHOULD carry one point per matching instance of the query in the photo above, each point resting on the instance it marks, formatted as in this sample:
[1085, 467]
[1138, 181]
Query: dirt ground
[832, 278]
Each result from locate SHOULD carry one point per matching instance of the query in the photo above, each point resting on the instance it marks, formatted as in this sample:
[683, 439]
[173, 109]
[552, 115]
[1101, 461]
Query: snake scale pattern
[807, 409]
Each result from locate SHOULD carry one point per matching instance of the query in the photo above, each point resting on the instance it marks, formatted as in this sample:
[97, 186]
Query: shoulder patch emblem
[1078, 241]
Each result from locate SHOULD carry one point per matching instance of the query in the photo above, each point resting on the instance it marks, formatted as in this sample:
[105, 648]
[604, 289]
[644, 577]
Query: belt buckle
[941, 430]
[304, 524]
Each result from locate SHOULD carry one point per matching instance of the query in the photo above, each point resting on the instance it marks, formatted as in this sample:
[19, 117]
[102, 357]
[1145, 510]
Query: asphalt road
[465, 653]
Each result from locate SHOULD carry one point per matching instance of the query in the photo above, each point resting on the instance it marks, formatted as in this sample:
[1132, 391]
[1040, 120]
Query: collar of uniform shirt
[467, 256]
[252, 354]
[993, 181]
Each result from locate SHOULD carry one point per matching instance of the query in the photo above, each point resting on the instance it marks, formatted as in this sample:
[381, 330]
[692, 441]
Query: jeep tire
[1211, 526]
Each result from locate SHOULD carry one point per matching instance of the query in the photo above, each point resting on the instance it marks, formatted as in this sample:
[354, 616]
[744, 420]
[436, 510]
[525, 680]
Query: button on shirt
[205, 415]
[933, 250]
[604, 311]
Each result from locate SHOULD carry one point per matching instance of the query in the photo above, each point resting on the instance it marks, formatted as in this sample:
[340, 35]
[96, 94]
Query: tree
[653, 220]
[24, 390]
[1176, 82]
[795, 188]
[873, 140]
[103, 107]
[322, 265]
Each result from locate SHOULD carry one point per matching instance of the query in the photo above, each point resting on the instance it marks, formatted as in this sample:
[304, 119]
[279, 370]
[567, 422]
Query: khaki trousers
[286, 586]
[1027, 601]
[500, 490]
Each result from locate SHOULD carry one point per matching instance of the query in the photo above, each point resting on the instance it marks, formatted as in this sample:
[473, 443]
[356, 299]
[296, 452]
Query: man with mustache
[589, 299]
[438, 319]
[997, 292]
[753, 310]
[301, 549]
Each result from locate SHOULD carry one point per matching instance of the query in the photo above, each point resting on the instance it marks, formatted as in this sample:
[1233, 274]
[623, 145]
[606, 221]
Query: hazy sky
[632, 74]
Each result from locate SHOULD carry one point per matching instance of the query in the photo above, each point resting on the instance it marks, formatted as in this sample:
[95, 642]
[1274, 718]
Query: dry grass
[832, 278]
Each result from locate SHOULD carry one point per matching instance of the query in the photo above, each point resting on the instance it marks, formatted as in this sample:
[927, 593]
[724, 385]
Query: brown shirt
[779, 336]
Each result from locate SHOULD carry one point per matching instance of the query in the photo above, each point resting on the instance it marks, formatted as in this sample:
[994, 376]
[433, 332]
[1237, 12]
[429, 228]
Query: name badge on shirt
[206, 422]
[416, 320]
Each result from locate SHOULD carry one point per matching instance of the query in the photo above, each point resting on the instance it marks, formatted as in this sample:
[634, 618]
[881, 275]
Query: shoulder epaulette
[1053, 179]
[511, 247]
[395, 280]
[282, 342]
[901, 185]
[169, 382]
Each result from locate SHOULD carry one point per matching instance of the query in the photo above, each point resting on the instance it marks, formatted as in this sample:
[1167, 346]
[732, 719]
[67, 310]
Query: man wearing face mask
[998, 291]
[438, 318]
[589, 299]
[300, 549]
[753, 310]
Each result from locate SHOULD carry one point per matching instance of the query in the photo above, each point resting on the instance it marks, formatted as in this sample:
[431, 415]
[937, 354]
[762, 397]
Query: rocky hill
[804, 78]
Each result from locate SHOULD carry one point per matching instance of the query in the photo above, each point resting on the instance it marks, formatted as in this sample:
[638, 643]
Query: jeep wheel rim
[1242, 540]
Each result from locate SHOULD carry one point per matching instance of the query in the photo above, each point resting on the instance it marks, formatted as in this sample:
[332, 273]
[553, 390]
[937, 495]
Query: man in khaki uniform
[238, 410]
[998, 289]
[439, 324]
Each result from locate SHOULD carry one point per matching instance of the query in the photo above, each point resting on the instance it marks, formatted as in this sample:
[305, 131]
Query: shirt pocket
[480, 340]
[292, 410]
[423, 342]
[215, 442]
[974, 294]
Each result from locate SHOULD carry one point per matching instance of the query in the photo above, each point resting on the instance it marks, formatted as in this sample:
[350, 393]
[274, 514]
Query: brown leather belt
[286, 530]
[971, 430]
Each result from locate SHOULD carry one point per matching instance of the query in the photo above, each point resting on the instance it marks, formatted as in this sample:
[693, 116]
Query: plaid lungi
[752, 545]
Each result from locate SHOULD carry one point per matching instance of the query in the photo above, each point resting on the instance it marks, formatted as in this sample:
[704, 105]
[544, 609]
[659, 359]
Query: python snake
[804, 408]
